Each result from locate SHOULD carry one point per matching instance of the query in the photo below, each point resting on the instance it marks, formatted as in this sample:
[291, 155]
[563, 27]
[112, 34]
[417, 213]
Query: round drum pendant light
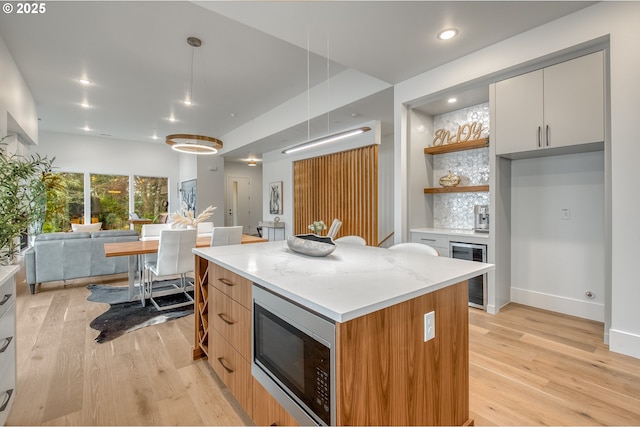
[194, 144]
[191, 143]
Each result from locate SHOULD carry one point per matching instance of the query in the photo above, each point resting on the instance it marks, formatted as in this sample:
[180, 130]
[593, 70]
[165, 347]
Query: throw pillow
[86, 227]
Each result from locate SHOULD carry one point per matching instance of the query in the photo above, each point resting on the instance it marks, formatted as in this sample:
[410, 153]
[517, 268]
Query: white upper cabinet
[558, 106]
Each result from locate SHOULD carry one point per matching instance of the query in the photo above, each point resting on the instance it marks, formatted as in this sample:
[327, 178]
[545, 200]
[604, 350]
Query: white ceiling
[254, 57]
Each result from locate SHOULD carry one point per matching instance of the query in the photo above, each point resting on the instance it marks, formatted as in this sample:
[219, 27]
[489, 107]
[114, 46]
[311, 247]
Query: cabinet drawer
[7, 363]
[232, 321]
[430, 239]
[237, 287]
[7, 296]
[267, 411]
[233, 370]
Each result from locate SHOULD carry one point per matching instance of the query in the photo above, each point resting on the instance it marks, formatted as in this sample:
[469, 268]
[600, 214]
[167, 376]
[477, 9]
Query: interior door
[238, 202]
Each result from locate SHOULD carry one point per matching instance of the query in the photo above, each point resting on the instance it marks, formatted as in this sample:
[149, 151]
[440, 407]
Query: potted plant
[23, 198]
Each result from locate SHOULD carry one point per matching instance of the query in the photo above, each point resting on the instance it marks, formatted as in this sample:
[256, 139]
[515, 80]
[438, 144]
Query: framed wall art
[188, 195]
[275, 198]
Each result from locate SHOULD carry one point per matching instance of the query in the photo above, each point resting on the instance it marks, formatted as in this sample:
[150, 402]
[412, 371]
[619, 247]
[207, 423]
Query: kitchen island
[386, 374]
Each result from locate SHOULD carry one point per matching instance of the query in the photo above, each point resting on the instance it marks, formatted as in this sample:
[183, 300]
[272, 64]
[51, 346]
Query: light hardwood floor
[527, 367]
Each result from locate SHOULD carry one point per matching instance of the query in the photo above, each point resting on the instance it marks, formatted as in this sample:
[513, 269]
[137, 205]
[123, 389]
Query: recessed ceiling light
[452, 100]
[85, 105]
[87, 128]
[187, 102]
[84, 82]
[154, 136]
[447, 34]
[172, 118]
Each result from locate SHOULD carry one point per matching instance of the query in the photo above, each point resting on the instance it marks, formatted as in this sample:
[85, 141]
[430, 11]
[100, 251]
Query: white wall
[89, 154]
[210, 185]
[619, 22]
[279, 167]
[254, 174]
[385, 189]
[419, 170]
[17, 106]
[555, 261]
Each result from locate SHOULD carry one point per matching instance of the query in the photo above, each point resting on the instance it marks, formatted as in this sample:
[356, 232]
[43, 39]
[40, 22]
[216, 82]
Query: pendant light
[192, 143]
[311, 143]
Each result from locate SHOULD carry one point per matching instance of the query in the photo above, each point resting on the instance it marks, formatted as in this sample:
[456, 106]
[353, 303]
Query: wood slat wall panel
[342, 185]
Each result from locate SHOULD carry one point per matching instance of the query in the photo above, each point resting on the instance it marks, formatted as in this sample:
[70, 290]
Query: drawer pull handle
[548, 137]
[4, 401]
[539, 137]
[5, 344]
[225, 319]
[226, 281]
[428, 240]
[5, 299]
[226, 368]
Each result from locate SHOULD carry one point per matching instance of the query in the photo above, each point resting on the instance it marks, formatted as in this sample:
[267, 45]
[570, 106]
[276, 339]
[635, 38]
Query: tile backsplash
[455, 210]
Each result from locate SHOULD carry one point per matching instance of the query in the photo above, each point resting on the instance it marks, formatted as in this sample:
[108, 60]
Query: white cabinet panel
[574, 101]
[7, 340]
[519, 106]
[558, 106]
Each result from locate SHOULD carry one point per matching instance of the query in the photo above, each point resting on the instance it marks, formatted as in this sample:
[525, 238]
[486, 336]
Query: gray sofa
[63, 256]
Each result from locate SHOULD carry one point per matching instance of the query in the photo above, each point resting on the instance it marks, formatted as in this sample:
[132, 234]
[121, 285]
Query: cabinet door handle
[4, 400]
[428, 240]
[5, 299]
[225, 319]
[548, 136]
[226, 281]
[221, 360]
[5, 344]
[539, 136]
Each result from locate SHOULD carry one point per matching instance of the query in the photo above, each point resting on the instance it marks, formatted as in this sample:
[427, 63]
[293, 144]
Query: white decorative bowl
[311, 244]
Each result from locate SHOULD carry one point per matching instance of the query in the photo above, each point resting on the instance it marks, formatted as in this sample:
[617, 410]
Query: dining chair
[152, 231]
[221, 236]
[353, 240]
[204, 228]
[175, 257]
[415, 248]
[335, 227]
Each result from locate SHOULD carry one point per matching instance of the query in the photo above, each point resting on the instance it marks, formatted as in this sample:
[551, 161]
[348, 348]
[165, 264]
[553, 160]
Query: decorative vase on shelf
[450, 180]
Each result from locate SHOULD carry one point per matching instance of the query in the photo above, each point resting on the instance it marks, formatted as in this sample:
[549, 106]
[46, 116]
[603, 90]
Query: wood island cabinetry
[385, 373]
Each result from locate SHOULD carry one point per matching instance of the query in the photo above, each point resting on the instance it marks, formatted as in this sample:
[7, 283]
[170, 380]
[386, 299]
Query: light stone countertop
[452, 232]
[351, 282]
[6, 271]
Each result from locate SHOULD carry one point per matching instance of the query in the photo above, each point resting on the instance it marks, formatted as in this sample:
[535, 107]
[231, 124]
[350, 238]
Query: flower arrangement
[317, 226]
[187, 216]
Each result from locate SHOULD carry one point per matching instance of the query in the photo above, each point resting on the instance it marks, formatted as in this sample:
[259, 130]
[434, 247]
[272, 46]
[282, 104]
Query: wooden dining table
[135, 250]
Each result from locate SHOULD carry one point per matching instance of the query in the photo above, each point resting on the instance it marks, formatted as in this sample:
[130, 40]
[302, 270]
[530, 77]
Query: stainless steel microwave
[293, 357]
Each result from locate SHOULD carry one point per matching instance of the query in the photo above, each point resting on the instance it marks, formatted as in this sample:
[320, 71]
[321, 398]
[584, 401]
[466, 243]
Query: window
[150, 196]
[110, 201]
[65, 201]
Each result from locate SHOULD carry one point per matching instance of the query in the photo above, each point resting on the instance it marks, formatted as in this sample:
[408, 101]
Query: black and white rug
[125, 316]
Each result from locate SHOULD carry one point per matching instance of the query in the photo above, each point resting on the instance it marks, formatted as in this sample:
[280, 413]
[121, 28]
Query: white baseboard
[624, 342]
[570, 306]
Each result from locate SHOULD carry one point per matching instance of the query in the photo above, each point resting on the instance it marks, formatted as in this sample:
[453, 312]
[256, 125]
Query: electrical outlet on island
[429, 326]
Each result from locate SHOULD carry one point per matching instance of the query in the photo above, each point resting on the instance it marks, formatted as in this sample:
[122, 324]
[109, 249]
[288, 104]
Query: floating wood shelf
[460, 146]
[464, 189]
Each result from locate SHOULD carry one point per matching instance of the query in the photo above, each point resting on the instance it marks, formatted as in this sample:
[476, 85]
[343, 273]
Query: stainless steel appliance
[293, 357]
[478, 284]
[481, 218]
